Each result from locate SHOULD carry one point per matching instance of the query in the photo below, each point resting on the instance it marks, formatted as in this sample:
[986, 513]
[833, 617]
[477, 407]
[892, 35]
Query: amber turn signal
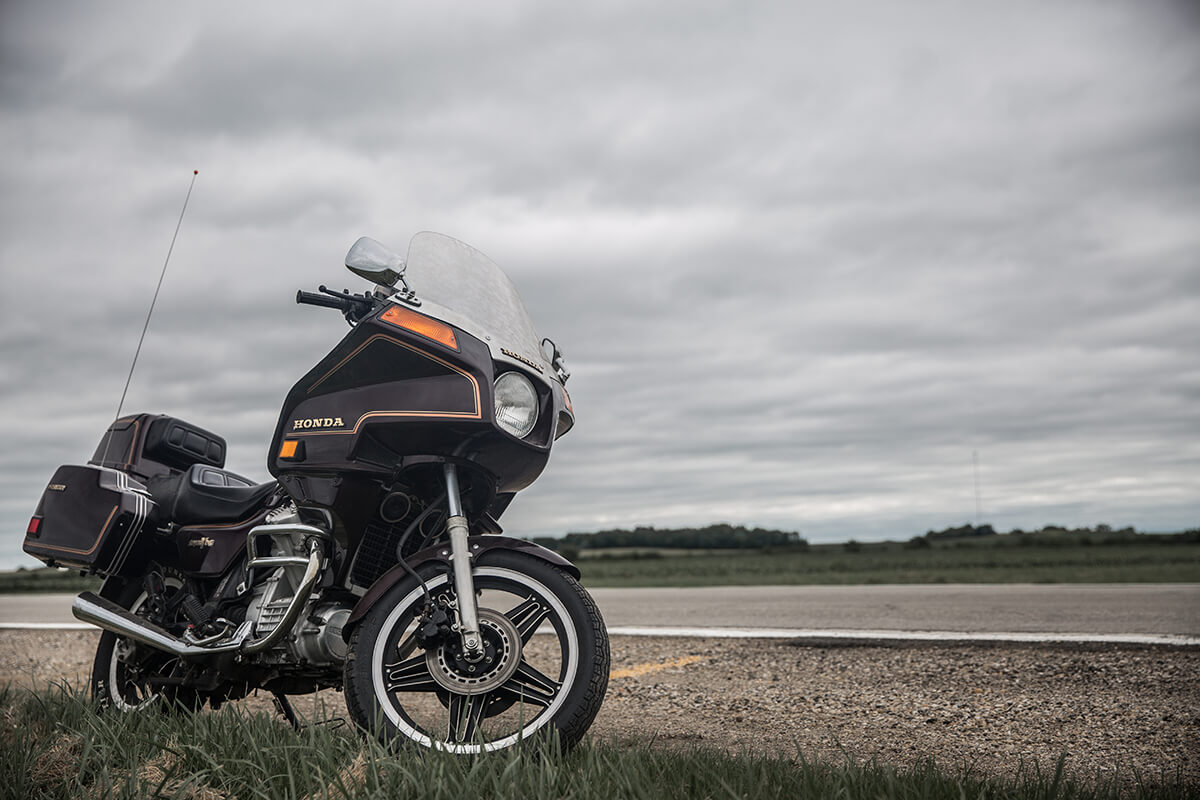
[421, 325]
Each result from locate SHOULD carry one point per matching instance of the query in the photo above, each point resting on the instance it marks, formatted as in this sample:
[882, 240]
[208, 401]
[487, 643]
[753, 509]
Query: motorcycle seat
[206, 495]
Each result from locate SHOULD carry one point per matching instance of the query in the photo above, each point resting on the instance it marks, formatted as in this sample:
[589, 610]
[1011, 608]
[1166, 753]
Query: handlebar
[313, 299]
[353, 306]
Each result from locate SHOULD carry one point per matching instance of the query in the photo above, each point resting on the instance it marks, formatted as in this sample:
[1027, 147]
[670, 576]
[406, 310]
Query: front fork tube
[460, 560]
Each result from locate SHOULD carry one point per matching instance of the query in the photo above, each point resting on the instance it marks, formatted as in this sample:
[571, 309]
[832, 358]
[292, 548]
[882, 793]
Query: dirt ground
[1108, 708]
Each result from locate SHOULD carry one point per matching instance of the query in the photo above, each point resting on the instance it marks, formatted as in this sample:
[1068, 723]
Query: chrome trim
[299, 600]
[276, 530]
[277, 561]
[460, 560]
[98, 611]
[226, 627]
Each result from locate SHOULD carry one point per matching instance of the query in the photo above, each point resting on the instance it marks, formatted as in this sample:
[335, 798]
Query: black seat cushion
[205, 495]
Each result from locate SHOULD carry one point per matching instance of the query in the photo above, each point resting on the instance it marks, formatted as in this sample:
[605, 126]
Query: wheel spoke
[527, 616]
[530, 685]
[404, 649]
[465, 713]
[411, 675]
[132, 692]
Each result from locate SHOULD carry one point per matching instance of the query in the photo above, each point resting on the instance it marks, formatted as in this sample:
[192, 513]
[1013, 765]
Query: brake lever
[344, 294]
[358, 304]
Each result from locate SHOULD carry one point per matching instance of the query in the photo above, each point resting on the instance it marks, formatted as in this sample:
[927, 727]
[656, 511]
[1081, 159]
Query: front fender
[441, 553]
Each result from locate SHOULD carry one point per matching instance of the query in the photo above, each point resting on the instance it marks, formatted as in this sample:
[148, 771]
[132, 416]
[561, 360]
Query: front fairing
[386, 397]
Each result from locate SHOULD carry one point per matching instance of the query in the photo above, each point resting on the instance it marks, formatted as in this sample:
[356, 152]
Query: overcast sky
[804, 259]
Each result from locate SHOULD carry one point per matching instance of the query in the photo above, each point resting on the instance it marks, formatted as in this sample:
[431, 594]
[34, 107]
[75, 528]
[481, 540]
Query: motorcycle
[374, 562]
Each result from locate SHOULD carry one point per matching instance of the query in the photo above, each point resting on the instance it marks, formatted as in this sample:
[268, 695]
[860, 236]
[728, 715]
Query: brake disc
[452, 670]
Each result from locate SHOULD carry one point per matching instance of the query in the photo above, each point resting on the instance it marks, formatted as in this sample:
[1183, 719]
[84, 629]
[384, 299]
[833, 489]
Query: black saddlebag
[89, 518]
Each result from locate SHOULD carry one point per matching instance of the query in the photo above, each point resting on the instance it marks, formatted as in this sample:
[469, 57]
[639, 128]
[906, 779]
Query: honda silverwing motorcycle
[374, 561]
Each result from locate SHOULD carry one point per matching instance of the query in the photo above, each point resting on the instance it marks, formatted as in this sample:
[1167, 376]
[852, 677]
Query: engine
[282, 554]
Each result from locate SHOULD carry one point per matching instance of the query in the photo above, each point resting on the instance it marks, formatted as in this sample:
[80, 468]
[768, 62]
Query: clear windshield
[460, 285]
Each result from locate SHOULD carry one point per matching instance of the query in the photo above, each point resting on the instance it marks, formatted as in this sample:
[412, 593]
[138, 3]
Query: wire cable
[150, 313]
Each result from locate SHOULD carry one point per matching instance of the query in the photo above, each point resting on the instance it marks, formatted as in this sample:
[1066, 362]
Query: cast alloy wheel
[543, 671]
[123, 672]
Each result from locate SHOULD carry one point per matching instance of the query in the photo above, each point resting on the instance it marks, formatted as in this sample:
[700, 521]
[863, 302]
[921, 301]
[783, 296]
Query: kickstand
[284, 707]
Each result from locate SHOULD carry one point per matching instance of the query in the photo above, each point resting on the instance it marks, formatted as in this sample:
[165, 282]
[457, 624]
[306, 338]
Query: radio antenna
[142, 338]
[978, 504]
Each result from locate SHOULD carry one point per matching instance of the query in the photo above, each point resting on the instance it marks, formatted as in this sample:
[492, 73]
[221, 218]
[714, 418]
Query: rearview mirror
[371, 260]
[555, 357]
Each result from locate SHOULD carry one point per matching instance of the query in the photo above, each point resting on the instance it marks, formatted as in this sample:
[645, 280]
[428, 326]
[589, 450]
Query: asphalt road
[1163, 609]
[1172, 609]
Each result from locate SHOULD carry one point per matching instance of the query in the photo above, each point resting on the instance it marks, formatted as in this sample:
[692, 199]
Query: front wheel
[544, 669]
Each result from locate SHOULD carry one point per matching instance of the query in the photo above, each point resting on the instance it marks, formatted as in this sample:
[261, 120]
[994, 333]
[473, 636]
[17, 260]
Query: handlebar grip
[325, 300]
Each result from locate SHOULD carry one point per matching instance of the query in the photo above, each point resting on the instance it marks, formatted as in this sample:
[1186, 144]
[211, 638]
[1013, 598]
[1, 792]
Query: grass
[892, 562]
[54, 744]
[46, 579]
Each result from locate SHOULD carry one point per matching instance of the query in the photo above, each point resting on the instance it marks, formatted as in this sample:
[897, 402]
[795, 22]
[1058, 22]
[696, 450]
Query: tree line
[723, 536]
[720, 536]
[968, 531]
[1056, 536]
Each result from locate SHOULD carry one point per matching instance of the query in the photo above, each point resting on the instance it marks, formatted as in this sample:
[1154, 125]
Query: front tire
[526, 686]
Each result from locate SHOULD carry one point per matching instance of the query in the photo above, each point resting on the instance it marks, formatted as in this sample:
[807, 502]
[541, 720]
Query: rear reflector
[34, 524]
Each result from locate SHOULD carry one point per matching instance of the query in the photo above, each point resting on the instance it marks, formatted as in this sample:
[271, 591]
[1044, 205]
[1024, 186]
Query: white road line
[911, 636]
[810, 633]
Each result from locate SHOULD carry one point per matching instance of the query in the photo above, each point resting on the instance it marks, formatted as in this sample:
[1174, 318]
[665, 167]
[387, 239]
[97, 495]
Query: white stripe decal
[141, 510]
[912, 636]
[122, 551]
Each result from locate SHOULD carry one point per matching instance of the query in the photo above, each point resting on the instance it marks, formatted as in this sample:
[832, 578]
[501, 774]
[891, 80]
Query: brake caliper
[433, 627]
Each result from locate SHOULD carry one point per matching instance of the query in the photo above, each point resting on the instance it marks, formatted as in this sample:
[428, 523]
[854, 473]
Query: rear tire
[526, 687]
[122, 669]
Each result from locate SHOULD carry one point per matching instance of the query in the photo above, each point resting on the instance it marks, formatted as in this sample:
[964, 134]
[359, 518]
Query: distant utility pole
[978, 503]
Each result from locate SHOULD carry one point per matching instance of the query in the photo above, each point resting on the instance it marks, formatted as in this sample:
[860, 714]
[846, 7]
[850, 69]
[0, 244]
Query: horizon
[30, 563]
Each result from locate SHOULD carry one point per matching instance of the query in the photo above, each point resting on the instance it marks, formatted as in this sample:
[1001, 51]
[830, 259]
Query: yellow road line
[654, 666]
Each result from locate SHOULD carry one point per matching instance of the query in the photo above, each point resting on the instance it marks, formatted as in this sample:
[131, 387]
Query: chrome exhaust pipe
[98, 611]
[91, 608]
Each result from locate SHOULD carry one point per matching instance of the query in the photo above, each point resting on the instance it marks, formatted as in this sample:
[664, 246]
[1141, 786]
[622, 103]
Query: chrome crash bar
[91, 608]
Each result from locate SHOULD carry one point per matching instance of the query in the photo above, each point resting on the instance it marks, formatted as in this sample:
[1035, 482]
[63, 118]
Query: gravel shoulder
[1108, 708]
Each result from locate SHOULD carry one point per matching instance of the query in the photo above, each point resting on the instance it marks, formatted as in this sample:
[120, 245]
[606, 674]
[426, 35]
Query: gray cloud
[804, 259]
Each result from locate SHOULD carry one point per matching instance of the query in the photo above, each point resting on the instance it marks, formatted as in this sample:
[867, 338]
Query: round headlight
[516, 404]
